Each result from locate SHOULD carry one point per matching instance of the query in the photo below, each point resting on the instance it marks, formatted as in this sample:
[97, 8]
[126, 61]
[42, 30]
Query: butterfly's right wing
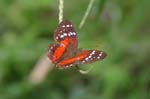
[83, 57]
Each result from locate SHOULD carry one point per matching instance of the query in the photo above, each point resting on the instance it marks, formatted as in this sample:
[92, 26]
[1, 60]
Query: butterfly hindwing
[85, 56]
[52, 52]
[93, 56]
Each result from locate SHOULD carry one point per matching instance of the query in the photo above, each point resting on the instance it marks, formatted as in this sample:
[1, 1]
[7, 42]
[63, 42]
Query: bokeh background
[121, 28]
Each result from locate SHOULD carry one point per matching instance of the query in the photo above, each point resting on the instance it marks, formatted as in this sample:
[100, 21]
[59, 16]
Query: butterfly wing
[83, 57]
[66, 37]
[53, 54]
[66, 31]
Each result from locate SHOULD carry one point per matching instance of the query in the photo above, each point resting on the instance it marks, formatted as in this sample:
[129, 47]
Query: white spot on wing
[71, 64]
[57, 37]
[86, 58]
[83, 61]
[100, 54]
[90, 56]
[61, 36]
[65, 34]
[74, 33]
[93, 52]
[69, 34]
[51, 47]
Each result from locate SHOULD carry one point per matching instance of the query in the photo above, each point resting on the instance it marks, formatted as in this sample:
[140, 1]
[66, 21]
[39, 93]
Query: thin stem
[43, 65]
[61, 6]
[85, 71]
[86, 13]
[40, 70]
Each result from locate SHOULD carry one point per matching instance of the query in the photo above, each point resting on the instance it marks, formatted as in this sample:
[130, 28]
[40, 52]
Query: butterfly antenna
[84, 71]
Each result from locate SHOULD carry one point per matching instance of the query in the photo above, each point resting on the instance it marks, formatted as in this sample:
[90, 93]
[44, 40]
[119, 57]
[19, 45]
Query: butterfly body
[64, 53]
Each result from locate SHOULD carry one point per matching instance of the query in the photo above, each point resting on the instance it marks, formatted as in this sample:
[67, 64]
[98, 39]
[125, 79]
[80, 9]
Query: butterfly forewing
[65, 30]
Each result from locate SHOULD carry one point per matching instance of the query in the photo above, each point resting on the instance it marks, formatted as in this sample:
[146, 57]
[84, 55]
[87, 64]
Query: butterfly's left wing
[83, 57]
[66, 39]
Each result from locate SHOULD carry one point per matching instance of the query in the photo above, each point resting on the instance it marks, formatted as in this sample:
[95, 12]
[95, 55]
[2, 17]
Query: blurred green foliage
[119, 27]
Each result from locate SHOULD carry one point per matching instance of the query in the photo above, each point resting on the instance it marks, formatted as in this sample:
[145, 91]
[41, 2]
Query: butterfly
[64, 53]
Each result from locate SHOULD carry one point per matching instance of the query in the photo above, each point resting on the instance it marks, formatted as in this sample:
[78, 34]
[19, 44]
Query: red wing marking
[51, 51]
[86, 56]
[58, 50]
[73, 60]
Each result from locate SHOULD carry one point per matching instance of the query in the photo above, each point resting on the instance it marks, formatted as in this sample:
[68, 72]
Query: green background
[121, 28]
